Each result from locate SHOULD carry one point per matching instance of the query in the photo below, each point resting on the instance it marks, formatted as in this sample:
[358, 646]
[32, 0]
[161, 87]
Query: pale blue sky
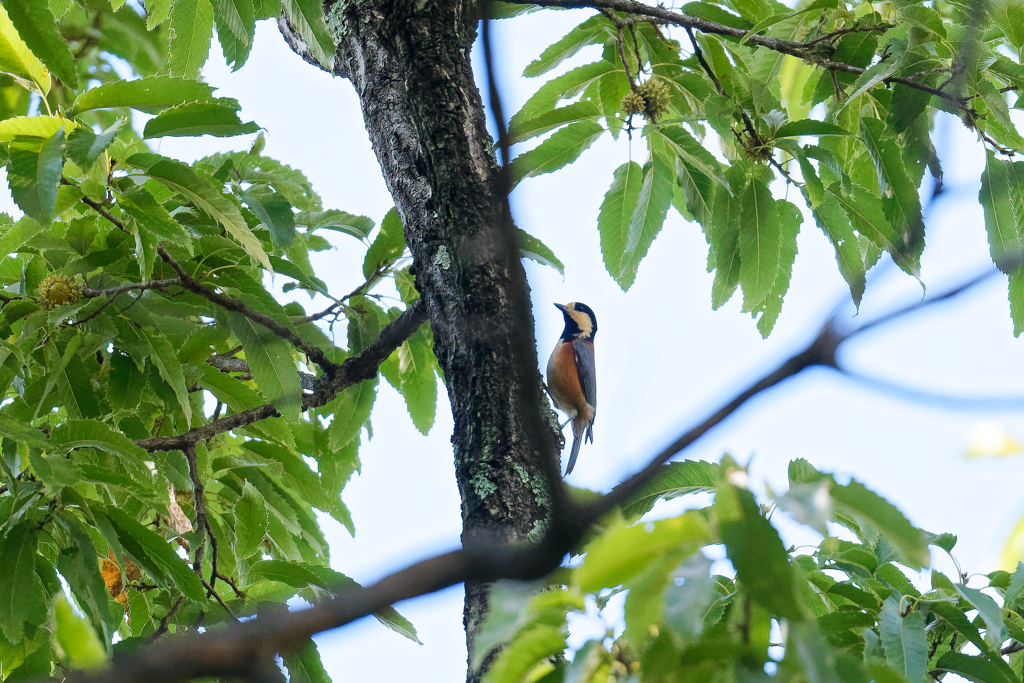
[665, 359]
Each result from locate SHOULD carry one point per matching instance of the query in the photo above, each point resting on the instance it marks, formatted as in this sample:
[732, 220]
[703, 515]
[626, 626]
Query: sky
[665, 360]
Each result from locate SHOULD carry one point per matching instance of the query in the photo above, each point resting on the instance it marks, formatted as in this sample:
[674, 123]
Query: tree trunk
[409, 62]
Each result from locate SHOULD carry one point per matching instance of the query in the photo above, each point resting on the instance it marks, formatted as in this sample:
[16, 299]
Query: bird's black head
[580, 321]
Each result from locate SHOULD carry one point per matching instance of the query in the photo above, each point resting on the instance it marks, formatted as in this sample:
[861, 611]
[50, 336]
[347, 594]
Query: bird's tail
[577, 441]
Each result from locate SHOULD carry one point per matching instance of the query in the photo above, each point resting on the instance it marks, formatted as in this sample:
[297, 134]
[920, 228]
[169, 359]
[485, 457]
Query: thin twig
[162, 628]
[314, 353]
[199, 500]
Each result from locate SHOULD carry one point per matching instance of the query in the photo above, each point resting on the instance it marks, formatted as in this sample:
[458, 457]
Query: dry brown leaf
[179, 520]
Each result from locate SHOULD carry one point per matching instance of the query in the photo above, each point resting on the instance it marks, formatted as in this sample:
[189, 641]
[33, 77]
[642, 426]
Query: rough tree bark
[409, 63]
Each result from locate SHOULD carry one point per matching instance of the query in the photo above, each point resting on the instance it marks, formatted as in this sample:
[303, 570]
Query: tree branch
[190, 283]
[354, 370]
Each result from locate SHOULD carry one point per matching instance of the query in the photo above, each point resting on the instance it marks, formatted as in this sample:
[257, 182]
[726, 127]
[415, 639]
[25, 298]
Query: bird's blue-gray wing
[586, 370]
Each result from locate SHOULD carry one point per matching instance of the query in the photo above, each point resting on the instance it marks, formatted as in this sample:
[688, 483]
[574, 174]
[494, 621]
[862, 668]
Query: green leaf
[340, 221]
[307, 19]
[528, 649]
[198, 190]
[900, 200]
[1002, 198]
[77, 564]
[795, 129]
[84, 146]
[290, 573]
[17, 58]
[34, 174]
[614, 219]
[251, 519]
[834, 222]
[649, 215]
[218, 118]
[906, 648]
[167, 364]
[989, 611]
[548, 121]
[910, 540]
[238, 16]
[271, 363]
[387, 247]
[191, 33]
[151, 94]
[1008, 15]
[38, 28]
[137, 202]
[72, 434]
[673, 480]
[275, 212]
[594, 30]
[753, 545]
[561, 149]
[154, 555]
[351, 411]
[415, 363]
[973, 668]
[532, 248]
[564, 86]
[677, 140]
[77, 638]
[304, 665]
[760, 242]
[21, 599]
[622, 551]
[157, 11]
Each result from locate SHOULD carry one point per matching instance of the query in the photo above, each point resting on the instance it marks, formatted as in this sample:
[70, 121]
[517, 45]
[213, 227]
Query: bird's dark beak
[562, 307]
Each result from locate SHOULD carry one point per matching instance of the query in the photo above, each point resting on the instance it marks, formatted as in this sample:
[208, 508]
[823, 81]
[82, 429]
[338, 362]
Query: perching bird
[572, 378]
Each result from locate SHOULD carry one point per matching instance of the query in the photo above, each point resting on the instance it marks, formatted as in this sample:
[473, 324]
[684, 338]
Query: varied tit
[572, 378]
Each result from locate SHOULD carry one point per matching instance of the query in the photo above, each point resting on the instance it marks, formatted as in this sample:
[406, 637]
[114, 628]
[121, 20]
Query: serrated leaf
[548, 121]
[305, 666]
[753, 545]
[20, 596]
[564, 86]
[154, 555]
[167, 364]
[84, 146]
[527, 649]
[648, 217]
[673, 480]
[910, 540]
[157, 11]
[760, 240]
[191, 34]
[613, 221]
[151, 95]
[33, 173]
[275, 212]
[294, 575]
[17, 58]
[332, 219]
[238, 16]
[34, 126]
[270, 361]
[973, 668]
[1002, 198]
[73, 434]
[561, 149]
[201, 192]
[387, 246]
[251, 519]
[218, 118]
[307, 18]
[988, 610]
[137, 202]
[794, 129]
[622, 551]
[900, 200]
[532, 248]
[594, 30]
[351, 411]
[834, 222]
[906, 648]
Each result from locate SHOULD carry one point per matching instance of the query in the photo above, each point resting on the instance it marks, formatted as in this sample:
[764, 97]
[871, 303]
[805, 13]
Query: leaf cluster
[845, 610]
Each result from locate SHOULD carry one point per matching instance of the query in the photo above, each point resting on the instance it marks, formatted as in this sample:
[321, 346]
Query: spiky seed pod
[58, 289]
[656, 99]
[632, 103]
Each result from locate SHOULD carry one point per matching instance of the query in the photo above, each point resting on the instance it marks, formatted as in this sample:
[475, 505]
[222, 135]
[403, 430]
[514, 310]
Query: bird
[572, 377]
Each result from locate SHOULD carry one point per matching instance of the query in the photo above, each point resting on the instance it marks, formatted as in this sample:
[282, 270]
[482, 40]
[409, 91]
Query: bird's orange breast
[564, 381]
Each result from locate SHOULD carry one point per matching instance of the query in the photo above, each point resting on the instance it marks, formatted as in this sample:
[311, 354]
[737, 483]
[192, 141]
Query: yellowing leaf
[34, 126]
[16, 58]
